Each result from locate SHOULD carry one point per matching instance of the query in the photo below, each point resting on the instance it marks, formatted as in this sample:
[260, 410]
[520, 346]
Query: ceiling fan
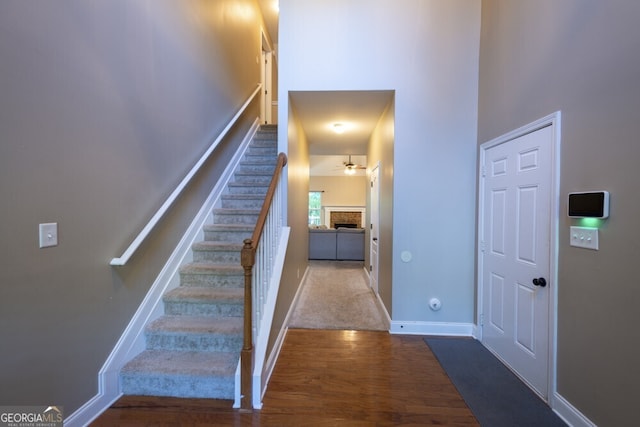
[350, 167]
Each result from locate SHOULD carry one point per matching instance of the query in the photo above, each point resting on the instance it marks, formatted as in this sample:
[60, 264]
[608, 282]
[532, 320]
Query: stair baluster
[259, 250]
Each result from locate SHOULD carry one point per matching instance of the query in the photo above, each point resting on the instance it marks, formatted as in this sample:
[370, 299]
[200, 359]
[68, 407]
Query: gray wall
[380, 152]
[580, 57]
[293, 141]
[412, 48]
[104, 107]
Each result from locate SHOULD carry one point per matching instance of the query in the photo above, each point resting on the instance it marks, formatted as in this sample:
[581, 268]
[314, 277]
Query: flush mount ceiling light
[338, 128]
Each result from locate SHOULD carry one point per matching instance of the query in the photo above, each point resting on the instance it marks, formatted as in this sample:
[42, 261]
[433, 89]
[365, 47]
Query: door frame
[552, 120]
[376, 209]
[266, 78]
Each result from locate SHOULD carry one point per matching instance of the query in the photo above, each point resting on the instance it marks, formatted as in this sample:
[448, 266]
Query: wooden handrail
[122, 260]
[248, 259]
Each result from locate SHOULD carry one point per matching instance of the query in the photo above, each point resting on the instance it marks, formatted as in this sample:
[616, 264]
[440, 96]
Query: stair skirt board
[132, 341]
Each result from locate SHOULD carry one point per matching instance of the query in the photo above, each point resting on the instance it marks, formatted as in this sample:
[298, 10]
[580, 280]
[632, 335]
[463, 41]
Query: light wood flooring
[325, 378]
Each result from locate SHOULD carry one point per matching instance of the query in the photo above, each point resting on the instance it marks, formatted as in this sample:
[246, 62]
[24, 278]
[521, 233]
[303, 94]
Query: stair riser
[178, 386]
[193, 342]
[212, 280]
[259, 158]
[222, 257]
[230, 219]
[246, 178]
[241, 203]
[256, 167]
[270, 138]
[227, 236]
[262, 151]
[215, 310]
[248, 189]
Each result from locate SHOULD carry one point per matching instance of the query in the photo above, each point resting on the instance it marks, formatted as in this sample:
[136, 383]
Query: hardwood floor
[325, 378]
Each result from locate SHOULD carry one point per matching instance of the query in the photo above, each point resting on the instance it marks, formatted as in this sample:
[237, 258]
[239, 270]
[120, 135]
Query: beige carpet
[336, 295]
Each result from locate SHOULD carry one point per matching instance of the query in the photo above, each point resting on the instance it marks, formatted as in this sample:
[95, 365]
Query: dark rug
[493, 393]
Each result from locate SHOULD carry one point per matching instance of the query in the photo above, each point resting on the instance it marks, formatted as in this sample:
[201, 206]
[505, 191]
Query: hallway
[337, 295]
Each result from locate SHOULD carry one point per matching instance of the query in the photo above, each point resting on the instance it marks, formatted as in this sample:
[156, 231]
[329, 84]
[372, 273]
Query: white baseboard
[382, 307]
[569, 413]
[132, 341]
[432, 328]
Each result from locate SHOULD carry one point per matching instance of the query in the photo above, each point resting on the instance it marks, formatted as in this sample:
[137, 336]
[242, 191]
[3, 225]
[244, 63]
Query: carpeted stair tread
[242, 201]
[204, 294]
[205, 363]
[235, 211]
[230, 227]
[204, 274]
[195, 333]
[197, 325]
[236, 216]
[181, 374]
[242, 197]
[213, 302]
[211, 245]
[217, 251]
[259, 161]
[211, 268]
[248, 185]
[228, 233]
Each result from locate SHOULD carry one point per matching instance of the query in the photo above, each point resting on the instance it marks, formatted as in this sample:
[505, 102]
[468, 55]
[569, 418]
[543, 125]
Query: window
[315, 205]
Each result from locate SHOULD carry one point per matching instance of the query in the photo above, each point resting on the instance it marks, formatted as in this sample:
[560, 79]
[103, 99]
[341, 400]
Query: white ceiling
[358, 111]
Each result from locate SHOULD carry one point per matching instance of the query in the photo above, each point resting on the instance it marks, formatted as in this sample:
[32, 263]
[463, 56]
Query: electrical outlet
[584, 237]
[48, 234]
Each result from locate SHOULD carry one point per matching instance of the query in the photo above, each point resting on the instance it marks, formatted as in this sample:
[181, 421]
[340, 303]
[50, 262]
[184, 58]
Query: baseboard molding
[382, 307]
[132, 341]
[569, 413]
[432, 328]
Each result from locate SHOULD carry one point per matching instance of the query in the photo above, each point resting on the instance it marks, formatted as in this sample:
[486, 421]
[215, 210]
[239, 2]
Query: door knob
[540, 282]
[375, 239]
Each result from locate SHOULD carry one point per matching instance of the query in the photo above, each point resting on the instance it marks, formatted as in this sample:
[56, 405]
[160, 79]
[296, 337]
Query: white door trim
[266, 78]
[552, 120]
[374, 273]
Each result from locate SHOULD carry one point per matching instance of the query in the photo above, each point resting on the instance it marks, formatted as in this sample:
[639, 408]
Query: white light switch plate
[584, 237]
[48, 234]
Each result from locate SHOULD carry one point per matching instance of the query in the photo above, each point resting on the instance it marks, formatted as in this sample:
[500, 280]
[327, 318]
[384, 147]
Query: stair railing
[122, 260]
[257, 258]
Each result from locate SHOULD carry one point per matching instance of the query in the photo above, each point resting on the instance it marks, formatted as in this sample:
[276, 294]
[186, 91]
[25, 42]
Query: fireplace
[345, 225]
[345, 219]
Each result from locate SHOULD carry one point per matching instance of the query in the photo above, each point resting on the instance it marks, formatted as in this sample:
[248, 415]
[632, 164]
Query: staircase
[193, 349]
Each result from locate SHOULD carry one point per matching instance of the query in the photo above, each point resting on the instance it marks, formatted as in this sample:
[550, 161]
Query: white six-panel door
[515, 241]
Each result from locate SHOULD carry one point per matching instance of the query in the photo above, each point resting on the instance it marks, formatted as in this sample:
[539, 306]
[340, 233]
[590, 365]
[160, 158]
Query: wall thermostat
[589, 204]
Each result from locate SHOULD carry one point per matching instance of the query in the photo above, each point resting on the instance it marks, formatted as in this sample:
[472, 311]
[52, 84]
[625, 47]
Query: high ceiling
[318, 112]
